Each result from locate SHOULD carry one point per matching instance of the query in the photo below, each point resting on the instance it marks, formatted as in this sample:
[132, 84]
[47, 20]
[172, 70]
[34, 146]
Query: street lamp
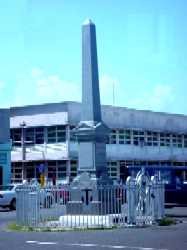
[23, 149]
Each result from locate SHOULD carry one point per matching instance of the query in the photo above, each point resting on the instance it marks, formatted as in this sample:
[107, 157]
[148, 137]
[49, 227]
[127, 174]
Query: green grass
[166, 221]
[15, 227]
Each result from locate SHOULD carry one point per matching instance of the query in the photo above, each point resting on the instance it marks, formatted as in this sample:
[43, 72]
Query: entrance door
[1, 175]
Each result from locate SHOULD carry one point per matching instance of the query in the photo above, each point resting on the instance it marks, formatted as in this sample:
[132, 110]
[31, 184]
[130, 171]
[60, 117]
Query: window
[61, 133]
[61, 169]
[32, 136]
[167, 140]
[124, 136]
[16, 171]
[56, 134]
[30, 170]
[73, 168]
[51, 170]
[113, 169]
[121, 136]
[16, 136]
[51, 134]
[127, 137]
[177, 140]
[185, 141]
[39, 135]
[138, 138]
[162, 139]
[113, 137]
[29, 136]
[155, 138]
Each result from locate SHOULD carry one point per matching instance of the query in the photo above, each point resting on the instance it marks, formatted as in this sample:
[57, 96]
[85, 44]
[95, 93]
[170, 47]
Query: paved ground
[153, 238]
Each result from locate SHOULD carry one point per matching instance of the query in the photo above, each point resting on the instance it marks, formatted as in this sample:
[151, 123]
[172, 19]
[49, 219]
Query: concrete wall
[147, 153]
[131, 152]
[41, 152]
[114, 117]
[120, 117]
[39, 115]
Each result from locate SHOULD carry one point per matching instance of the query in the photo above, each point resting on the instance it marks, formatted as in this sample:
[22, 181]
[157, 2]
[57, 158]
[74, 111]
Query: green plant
[14, 227]
[166, 221]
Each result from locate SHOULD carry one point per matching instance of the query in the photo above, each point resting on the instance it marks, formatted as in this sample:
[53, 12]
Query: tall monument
[91, 132]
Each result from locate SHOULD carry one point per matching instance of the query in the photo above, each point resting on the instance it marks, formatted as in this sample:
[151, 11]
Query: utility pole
[23, 149]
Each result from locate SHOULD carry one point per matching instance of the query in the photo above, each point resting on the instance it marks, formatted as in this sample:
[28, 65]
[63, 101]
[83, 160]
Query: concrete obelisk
[91, 132]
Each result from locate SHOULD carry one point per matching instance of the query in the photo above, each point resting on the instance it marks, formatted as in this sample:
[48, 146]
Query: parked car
[8, 196]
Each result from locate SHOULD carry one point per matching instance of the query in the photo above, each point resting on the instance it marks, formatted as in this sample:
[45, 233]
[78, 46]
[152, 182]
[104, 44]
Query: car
[8, 196]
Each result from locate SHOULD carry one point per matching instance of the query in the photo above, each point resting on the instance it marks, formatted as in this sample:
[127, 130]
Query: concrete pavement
[152, 238]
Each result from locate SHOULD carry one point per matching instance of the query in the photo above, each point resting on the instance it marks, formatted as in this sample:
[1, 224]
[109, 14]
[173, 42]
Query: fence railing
[51, 206]
[140, 201]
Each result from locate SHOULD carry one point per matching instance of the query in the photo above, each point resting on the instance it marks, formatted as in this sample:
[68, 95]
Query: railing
[139, 202]
[58, 206]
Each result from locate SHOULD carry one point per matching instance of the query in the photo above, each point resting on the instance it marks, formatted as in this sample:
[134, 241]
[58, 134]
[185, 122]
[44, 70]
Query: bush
[166, 221]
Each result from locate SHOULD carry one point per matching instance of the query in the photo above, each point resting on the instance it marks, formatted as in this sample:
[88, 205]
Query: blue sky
[142, 51]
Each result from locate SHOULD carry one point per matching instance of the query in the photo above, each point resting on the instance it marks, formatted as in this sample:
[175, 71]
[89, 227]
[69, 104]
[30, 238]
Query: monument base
[86, 194]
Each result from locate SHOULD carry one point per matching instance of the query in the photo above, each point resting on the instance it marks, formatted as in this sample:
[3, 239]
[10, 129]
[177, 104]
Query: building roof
[115, 117]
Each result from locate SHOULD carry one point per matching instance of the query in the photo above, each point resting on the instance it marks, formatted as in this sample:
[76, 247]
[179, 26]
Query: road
[152, 238]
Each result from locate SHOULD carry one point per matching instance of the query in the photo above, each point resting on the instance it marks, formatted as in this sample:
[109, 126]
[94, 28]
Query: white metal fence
[139, 202]
[57, 206]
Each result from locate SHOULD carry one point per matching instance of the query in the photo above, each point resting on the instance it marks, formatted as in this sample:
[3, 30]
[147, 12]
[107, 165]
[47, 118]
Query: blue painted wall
[5, 162]
[5, 146]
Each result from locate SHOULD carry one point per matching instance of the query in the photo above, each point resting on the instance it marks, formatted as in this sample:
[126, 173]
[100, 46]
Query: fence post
[131, 200]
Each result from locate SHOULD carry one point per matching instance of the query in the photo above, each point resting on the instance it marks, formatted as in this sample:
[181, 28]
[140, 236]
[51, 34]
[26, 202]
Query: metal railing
[139, 202]
[58, 206]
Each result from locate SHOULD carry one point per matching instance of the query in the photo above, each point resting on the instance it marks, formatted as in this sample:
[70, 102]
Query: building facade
[5, 147]
[41, 134]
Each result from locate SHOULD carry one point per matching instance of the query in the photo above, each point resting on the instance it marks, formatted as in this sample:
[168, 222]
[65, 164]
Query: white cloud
[54, 88]
[156, 99]
[39, 87]
[36, 72]
[2, 85]
[160, 97]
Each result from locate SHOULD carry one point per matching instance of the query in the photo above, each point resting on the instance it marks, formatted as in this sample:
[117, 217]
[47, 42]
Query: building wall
[135, 136]
[5, 147]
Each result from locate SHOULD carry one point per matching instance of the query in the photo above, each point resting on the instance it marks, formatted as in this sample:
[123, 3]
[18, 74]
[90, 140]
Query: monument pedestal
[86, 194]
[91, 137]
